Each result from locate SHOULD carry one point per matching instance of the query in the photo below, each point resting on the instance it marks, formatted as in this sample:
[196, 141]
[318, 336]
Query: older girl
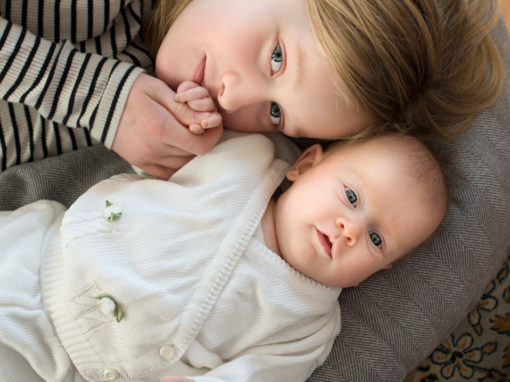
[320, 69]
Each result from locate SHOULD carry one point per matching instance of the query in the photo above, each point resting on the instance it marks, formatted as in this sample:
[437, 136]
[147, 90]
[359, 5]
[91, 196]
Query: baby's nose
[349, 230]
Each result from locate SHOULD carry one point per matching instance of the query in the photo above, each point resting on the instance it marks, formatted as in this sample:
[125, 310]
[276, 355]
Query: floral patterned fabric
[479, 349]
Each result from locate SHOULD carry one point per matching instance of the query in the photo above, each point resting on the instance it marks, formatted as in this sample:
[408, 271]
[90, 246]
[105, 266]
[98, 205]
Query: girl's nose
[239, 90]
[349, 230]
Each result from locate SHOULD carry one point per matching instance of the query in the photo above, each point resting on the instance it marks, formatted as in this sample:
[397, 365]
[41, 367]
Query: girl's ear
[308, 159]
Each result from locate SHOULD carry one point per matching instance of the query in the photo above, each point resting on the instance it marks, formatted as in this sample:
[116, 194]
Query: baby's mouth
[325, 242]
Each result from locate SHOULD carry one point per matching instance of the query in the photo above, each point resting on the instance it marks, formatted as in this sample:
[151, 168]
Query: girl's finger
[175, 162]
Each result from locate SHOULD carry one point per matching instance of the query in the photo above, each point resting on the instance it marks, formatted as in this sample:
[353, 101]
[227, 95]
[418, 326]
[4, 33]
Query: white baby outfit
[170, 278]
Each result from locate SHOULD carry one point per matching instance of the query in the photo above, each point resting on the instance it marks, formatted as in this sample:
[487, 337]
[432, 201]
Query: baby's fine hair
[417, 162]
[427, 67]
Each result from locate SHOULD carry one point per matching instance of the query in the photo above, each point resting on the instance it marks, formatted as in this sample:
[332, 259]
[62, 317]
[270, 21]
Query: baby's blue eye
[275, 114]
[351, 196]
[276, 59]
[375, 239]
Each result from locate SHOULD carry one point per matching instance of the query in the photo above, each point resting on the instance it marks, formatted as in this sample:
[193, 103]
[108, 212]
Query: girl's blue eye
[375, 238]
[351, 196]
[275, 114]
[276, 59]
[276, 64]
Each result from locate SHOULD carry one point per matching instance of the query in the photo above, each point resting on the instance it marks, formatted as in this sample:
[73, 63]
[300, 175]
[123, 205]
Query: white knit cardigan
[200, 295]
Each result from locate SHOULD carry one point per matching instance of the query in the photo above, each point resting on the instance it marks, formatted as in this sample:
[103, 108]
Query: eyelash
[352, 198]
[277, 59]
[375, 237]
[277, 56]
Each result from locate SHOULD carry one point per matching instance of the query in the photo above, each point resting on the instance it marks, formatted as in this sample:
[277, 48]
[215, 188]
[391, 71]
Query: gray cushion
[396, 318]
[63, 178]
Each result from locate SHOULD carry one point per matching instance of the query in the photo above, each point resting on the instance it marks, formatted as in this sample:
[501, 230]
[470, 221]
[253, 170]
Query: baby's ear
[308, 159]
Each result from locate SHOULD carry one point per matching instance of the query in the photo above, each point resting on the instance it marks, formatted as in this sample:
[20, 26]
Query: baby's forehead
[396, 155]
[387, 147]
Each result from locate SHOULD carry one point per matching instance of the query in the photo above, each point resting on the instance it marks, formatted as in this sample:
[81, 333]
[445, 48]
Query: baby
[356, 208]
[210, 275]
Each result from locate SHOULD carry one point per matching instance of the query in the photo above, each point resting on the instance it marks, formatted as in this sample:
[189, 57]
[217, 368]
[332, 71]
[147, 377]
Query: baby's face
[260, 62]
[350, 213]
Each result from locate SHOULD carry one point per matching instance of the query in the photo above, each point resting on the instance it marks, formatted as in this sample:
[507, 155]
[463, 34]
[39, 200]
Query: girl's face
[260, 62]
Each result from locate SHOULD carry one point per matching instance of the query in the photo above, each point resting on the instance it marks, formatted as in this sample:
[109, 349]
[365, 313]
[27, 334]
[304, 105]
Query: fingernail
[212, 121]
[196, 129]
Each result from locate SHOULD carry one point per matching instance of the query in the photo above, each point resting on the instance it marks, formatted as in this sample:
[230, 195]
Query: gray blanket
[396, 318]
[61, 178]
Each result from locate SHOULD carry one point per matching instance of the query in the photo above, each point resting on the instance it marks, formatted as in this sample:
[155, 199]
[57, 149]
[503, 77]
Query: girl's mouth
[325, 242]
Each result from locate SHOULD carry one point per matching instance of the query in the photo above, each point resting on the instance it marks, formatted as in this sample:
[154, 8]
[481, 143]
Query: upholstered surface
[63, 178]
[479, 348]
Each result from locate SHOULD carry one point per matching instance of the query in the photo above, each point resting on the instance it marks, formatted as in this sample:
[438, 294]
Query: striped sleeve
[66, 69]
[64, 85]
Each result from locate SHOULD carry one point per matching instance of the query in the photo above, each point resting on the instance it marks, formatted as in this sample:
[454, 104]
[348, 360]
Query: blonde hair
[162, 16]
[422, 66]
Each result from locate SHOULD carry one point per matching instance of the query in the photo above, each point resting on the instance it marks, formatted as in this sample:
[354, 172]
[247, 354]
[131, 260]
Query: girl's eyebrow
[297, 70]
[298, 64]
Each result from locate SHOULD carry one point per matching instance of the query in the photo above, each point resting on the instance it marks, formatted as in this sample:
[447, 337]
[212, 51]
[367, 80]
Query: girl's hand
[197, 98]
[176, 379]
[153, 132]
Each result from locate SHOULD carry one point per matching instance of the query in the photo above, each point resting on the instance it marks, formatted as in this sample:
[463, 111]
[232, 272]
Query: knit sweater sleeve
[269, 367]
[64, 85]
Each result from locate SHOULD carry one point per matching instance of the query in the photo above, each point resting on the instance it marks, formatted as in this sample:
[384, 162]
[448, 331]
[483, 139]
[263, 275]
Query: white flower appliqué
[112, 211]
[109, 306]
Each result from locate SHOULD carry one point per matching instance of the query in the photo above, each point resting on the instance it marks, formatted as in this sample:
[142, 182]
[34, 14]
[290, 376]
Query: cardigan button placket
[110, 374]
[167, 351]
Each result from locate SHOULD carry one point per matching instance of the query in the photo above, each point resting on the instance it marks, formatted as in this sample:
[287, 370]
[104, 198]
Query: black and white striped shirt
[66, 68]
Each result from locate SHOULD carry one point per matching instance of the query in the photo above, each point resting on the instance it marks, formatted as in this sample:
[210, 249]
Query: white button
[110, 374]
[167, 351]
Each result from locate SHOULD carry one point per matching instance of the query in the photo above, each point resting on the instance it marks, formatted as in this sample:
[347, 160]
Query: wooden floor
[506, 12]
